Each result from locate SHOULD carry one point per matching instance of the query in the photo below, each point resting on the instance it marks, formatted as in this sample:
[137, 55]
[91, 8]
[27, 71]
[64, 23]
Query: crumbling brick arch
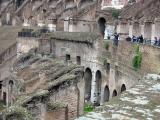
[106, 94]
[102, 25]
[88, 82]
[98, 86]
[11, 84]
[114, 93]
[19, 2]
[123, 88]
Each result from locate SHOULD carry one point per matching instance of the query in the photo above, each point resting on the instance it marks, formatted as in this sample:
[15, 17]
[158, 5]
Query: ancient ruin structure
[118, 4]
[143, 21]
[48, 75]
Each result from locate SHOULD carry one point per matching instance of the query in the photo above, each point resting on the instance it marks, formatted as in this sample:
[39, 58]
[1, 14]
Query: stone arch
[114, 93]
[102, 25]
[11, 84]
[88, 82]
[106, 94]
[18, 3]
[123, 88]
[98, 86]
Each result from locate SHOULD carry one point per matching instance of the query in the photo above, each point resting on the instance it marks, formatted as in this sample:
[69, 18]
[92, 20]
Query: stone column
[157, 27]
[136, 29]
[130, 29]
[142, 29]
[66, 24]
[122, 28]
[93, 87]
[147, 30]
[153, 32]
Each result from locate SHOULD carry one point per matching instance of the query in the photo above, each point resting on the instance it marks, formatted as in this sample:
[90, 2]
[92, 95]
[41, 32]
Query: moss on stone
[55, 105]
[2, 106]
[61, 80]
[21, 112]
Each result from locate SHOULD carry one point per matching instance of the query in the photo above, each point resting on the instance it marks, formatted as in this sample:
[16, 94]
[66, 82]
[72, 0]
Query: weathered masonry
[143, 21]
[86, 49]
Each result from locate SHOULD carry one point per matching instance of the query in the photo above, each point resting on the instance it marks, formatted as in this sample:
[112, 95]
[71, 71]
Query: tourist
[116, 37]
[134, 38]
[159, 42]
[141, 39]
[155, 41]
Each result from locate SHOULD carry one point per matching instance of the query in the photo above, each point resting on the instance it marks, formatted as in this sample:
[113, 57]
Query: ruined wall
[69, 96]
[125, 54]
[6, 60]
[24, 44]
[59, 114]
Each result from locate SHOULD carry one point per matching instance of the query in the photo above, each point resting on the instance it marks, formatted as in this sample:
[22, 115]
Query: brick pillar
[142, 29]
[157, 27]
[131, 30]
[93, 87]
[153, 34]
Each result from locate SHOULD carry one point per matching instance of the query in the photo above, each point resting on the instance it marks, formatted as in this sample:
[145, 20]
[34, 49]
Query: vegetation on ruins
[2, 106]
[106, 45]
[51, 105]
[18, 113]
[137, 60]
[88, 107]
[115, 13]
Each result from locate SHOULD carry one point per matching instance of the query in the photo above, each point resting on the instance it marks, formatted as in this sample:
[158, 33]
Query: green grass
[2, 106]
[88, 108]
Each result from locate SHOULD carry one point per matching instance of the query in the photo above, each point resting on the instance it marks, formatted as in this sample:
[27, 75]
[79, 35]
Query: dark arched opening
[88, 81]
[102, 25]
[98, 86]
[18, 3]
[11, 86]
[106, 94]
[114, 93]
[123, 88]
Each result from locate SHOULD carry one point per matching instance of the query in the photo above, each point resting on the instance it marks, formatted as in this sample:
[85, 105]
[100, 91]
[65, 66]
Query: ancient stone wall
[69, 96]
[24, 44]
[6, 60]
[59, 114]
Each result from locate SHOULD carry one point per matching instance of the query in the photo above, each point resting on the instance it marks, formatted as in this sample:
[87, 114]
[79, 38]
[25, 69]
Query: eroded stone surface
[140, 102]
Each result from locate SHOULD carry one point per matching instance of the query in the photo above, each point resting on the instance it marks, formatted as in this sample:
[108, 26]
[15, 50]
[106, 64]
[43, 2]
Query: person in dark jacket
[116, 37]
[155, 41]
[141, 39]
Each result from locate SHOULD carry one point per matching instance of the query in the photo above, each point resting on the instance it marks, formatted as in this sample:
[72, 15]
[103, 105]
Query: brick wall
[70, 97]
[59, 114]
[126, 53]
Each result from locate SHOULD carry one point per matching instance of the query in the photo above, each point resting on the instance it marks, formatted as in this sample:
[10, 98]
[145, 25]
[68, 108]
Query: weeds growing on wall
[88, 107]
[137, 60]
[106, 45]
[115, 13]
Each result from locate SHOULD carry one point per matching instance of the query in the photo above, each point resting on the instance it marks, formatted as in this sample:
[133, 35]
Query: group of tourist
[156, 41]
[138, 39]
[135, 39]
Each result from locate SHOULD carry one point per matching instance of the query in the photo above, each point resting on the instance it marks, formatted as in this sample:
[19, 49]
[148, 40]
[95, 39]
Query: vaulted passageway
[88, 81]
[106, 94]
[102, 25]
[98, 86]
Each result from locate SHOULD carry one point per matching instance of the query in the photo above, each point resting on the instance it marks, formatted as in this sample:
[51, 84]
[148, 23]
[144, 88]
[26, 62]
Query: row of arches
[114, 94]
[88, 84]
[98, 81]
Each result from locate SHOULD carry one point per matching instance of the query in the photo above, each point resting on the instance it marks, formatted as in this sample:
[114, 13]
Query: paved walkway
[139, 103]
